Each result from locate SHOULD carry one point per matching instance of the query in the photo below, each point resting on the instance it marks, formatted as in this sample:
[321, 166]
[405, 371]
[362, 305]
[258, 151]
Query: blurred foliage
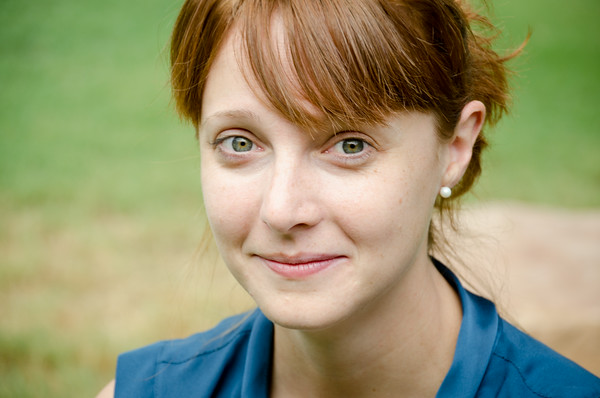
[548, 149]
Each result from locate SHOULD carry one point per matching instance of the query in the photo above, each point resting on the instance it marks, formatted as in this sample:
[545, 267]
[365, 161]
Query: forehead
[347, 66]
[225, 77]
[232, 87]
[307, 76]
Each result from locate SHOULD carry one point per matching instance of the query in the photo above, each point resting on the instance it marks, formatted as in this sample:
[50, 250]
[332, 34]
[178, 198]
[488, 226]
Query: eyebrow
[240, 114]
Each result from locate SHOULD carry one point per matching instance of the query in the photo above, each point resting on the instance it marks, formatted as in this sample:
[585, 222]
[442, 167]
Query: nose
[290, 197]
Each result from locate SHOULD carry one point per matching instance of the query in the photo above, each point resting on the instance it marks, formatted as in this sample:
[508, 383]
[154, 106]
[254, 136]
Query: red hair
[357, 62]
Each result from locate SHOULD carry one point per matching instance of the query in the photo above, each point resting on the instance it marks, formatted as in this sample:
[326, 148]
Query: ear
[460, 147]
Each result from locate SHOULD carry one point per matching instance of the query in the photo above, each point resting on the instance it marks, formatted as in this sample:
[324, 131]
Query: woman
[330, 132]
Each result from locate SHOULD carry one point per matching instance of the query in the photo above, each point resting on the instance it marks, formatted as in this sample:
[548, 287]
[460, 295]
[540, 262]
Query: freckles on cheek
[379, 211]
[372, 217]
[229, 209]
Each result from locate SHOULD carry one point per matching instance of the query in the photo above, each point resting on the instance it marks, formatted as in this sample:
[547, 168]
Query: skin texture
[351, 206]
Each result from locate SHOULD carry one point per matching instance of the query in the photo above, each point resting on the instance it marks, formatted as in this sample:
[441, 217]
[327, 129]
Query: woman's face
[316, 226]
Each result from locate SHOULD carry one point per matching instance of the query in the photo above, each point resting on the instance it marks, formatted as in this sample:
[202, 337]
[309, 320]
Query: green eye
[352, 146]
[241, 144]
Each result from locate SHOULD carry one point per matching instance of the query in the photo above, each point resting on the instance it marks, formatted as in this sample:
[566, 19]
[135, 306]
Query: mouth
[301, 265]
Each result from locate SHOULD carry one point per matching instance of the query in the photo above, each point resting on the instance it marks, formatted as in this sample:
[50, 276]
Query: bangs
[348, 60]
[344, 62]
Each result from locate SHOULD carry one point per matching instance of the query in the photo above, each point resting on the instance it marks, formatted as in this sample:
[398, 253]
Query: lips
[300, 266]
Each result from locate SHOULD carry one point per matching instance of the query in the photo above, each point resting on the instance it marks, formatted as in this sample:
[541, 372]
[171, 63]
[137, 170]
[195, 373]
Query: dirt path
[552, 263]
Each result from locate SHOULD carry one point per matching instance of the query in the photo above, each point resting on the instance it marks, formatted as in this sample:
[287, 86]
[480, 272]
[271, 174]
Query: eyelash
[345, 160]
[351, 159]
[228, 154]
[218, 141]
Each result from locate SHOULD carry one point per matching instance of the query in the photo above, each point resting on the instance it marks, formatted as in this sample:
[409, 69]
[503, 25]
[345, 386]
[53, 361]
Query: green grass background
[99, 188]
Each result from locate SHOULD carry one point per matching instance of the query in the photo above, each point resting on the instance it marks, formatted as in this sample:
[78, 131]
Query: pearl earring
[445, 192]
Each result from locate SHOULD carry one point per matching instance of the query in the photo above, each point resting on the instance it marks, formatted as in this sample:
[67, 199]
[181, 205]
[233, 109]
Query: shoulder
[522, 366]
[144, 371]
[108, 391]
[182, 350]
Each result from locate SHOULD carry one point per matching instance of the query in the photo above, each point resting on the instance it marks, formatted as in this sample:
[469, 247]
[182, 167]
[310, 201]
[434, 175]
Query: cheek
[229, 205]
[388, 209]
[368, 209]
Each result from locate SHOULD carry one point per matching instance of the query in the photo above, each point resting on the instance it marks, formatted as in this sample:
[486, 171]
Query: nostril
[283, 210]
[289, 221]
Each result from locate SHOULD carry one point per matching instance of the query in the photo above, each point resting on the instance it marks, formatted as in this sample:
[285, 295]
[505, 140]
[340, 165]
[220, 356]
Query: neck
[402, 346]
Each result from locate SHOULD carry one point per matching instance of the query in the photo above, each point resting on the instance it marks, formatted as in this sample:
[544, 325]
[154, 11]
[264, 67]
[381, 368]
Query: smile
[301, 266]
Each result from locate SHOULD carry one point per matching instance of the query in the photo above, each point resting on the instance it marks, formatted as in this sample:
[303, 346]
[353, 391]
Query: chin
[301, 323]
[297, 317]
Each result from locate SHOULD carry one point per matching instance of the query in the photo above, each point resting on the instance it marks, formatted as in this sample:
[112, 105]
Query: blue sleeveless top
[492, 359]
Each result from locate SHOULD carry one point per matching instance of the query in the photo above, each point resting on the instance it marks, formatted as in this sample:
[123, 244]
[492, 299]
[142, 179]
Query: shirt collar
[474, 347]
[475, 342]
[257, 377]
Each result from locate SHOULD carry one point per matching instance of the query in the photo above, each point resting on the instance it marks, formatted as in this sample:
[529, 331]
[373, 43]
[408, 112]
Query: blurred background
[100, 202]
